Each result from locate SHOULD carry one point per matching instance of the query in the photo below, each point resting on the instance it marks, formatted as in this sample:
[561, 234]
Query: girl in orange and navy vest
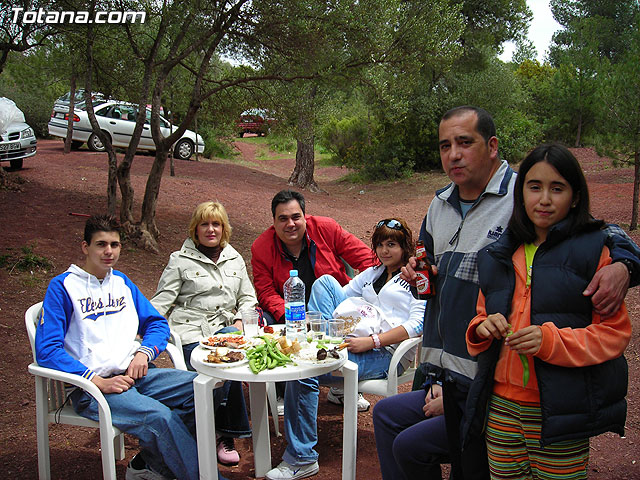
[551, 371]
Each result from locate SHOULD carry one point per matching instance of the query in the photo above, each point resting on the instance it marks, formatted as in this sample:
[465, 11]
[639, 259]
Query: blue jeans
[409, 444]
[159, 411]
[326, 295]
[301, 396]
[301, 404]
[231, 409]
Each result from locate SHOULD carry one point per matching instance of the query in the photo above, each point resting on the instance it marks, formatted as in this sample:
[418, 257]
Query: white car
[117, 119]
[17, 139]
[17, 142]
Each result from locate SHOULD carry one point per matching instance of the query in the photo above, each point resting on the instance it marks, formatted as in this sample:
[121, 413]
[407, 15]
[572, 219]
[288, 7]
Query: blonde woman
[203, 289]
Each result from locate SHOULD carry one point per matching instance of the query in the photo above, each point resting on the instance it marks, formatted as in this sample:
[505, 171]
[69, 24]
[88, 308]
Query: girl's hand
[359, 344]
[495, 326]
[526, 341]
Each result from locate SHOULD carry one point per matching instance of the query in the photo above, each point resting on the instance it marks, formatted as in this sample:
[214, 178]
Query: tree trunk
[72, 98]
[126, 191]
[636, 191]
[579, 132]
[104, 138]
[302, 175]
[148, 230]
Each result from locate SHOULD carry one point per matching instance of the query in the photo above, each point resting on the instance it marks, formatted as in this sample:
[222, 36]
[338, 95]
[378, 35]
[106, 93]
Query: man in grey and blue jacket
[464, 217]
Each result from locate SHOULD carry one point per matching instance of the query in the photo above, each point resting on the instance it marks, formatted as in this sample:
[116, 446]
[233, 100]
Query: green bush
[217, 143]
[517, 134]
[281, 143]
[339, 136]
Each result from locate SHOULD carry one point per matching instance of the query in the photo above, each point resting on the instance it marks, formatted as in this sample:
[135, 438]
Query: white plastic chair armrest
[174, 339]
[174, 349]
[402, 349]
[87, 385]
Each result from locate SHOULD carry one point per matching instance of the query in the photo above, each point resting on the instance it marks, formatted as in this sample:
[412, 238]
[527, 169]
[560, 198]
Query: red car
[254, 121]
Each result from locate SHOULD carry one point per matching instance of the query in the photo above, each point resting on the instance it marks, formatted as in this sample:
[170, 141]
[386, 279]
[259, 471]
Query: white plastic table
[211, 376]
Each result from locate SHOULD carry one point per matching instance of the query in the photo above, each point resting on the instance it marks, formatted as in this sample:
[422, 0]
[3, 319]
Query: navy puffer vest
[575, 402]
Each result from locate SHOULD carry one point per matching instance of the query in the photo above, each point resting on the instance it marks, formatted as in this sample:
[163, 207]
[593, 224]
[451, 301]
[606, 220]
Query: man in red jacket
[312, 245]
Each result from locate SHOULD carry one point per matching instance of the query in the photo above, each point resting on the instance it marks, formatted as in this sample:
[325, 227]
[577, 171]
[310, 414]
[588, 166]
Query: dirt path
[58, 184]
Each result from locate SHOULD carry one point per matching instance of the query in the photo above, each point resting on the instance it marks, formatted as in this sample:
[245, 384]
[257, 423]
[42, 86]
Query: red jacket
[327, 243]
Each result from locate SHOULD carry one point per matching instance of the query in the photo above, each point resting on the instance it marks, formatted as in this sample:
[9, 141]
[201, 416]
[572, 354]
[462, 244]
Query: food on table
[231, 341]
[267, 355]
[224, 355]
[268, 329]
[311, 354]
[287, 346]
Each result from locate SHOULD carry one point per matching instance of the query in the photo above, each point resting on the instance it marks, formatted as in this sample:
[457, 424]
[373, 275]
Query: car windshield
[83, 105]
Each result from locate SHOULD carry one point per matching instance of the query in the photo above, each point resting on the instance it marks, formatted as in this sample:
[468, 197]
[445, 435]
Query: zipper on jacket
[454, 240]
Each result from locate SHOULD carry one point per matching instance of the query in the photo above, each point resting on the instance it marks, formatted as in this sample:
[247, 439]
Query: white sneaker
[336, 395]
[284, 471]
[280, 406]
[142, 473]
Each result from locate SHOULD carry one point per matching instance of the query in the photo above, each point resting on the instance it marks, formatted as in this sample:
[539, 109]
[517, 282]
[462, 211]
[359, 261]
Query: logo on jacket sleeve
[496, 233]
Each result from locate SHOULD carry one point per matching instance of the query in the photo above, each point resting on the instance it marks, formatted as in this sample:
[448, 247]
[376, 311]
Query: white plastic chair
[389, 386]
[50, 396]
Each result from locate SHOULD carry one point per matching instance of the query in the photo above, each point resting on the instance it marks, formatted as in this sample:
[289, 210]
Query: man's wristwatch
[629, 264]
[376, 340]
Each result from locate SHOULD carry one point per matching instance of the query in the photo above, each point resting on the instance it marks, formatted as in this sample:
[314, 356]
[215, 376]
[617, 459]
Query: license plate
[59, 115]
[5, 147]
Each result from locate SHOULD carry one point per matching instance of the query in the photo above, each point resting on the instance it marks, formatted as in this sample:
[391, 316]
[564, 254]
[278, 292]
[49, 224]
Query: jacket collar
[498, 185]
[190, 250]
[504, 247]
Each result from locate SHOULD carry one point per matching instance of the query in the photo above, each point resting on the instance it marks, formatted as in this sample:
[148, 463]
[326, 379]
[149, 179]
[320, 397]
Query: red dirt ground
[56, 185]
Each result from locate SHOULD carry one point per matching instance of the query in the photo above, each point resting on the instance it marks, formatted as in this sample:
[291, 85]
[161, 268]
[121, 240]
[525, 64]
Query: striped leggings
[513, 446]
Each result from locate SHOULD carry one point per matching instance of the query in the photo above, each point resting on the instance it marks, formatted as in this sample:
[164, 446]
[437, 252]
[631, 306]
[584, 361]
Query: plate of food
[310, 354]
[221, 357]
[235, 342]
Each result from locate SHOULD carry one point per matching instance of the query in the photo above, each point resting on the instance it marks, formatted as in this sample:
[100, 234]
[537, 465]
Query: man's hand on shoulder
[117, 384]
[139, 366]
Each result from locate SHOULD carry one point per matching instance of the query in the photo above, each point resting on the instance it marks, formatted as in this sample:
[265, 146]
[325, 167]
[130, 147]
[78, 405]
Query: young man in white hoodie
[90, 319]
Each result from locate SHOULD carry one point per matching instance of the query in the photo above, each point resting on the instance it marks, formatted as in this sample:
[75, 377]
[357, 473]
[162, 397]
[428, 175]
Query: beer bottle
[425, 285]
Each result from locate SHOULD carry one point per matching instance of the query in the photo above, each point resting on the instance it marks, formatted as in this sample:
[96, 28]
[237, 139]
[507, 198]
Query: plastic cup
[336, 330]
[250, 323]
[318, 329]
[310, 317]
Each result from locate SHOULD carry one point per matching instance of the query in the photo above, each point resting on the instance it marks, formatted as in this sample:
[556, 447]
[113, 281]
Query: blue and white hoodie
[89, 327]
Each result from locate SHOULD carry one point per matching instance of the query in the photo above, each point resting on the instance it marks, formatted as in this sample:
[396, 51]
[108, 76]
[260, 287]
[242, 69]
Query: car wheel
[76, 144]
[183, 150]
[94, 143]
[16, 164]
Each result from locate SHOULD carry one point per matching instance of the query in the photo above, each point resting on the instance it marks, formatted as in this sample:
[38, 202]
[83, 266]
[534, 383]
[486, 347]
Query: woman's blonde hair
[210, 211]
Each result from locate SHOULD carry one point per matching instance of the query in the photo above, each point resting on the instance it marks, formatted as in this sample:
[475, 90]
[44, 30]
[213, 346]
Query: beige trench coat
[202, 296]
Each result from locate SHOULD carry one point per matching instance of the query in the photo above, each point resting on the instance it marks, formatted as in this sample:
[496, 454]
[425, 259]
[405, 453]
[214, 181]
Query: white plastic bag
[360, 317]
[9, 113]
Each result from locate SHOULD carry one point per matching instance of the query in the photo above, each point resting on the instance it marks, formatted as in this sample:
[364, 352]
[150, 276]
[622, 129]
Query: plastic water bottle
[294, 308]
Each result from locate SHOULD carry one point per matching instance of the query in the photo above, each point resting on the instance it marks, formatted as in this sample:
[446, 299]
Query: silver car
[17, 143]
[117, 119]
